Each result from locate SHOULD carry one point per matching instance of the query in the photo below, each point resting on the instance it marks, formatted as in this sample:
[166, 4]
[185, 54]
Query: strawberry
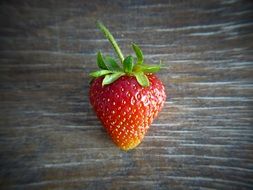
[126, 99]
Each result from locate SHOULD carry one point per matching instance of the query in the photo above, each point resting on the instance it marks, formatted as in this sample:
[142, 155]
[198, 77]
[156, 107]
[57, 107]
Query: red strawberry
[125, 100]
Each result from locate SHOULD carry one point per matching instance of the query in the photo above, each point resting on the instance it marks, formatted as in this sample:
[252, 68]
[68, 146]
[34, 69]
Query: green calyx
[131, 66]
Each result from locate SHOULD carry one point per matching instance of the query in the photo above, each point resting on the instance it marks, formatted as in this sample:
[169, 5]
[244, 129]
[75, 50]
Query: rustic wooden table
[51, 139]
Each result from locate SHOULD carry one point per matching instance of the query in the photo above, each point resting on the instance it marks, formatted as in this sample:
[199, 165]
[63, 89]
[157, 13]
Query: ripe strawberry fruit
[126, 100]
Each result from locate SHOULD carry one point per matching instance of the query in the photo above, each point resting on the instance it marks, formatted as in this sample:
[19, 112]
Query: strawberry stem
[111, 71]
[110, 37]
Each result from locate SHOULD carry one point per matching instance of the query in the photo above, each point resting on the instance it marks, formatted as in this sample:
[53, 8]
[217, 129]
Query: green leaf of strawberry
[111, 78]
[111, 64]
[125, 98]
[138, 53]
[147, 68]
[100, 73]
[128, 64]
[142, 79]
[100, 61]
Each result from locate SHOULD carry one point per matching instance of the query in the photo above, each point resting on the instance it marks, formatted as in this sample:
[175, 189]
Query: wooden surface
[51, 139]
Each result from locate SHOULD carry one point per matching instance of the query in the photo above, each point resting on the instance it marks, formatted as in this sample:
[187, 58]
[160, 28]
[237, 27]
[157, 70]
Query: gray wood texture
[51, 139]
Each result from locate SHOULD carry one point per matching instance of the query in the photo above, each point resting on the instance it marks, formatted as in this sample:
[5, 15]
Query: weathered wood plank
[51, 139]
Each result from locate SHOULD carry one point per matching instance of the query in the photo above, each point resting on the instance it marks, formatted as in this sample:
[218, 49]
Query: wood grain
[51, 139]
